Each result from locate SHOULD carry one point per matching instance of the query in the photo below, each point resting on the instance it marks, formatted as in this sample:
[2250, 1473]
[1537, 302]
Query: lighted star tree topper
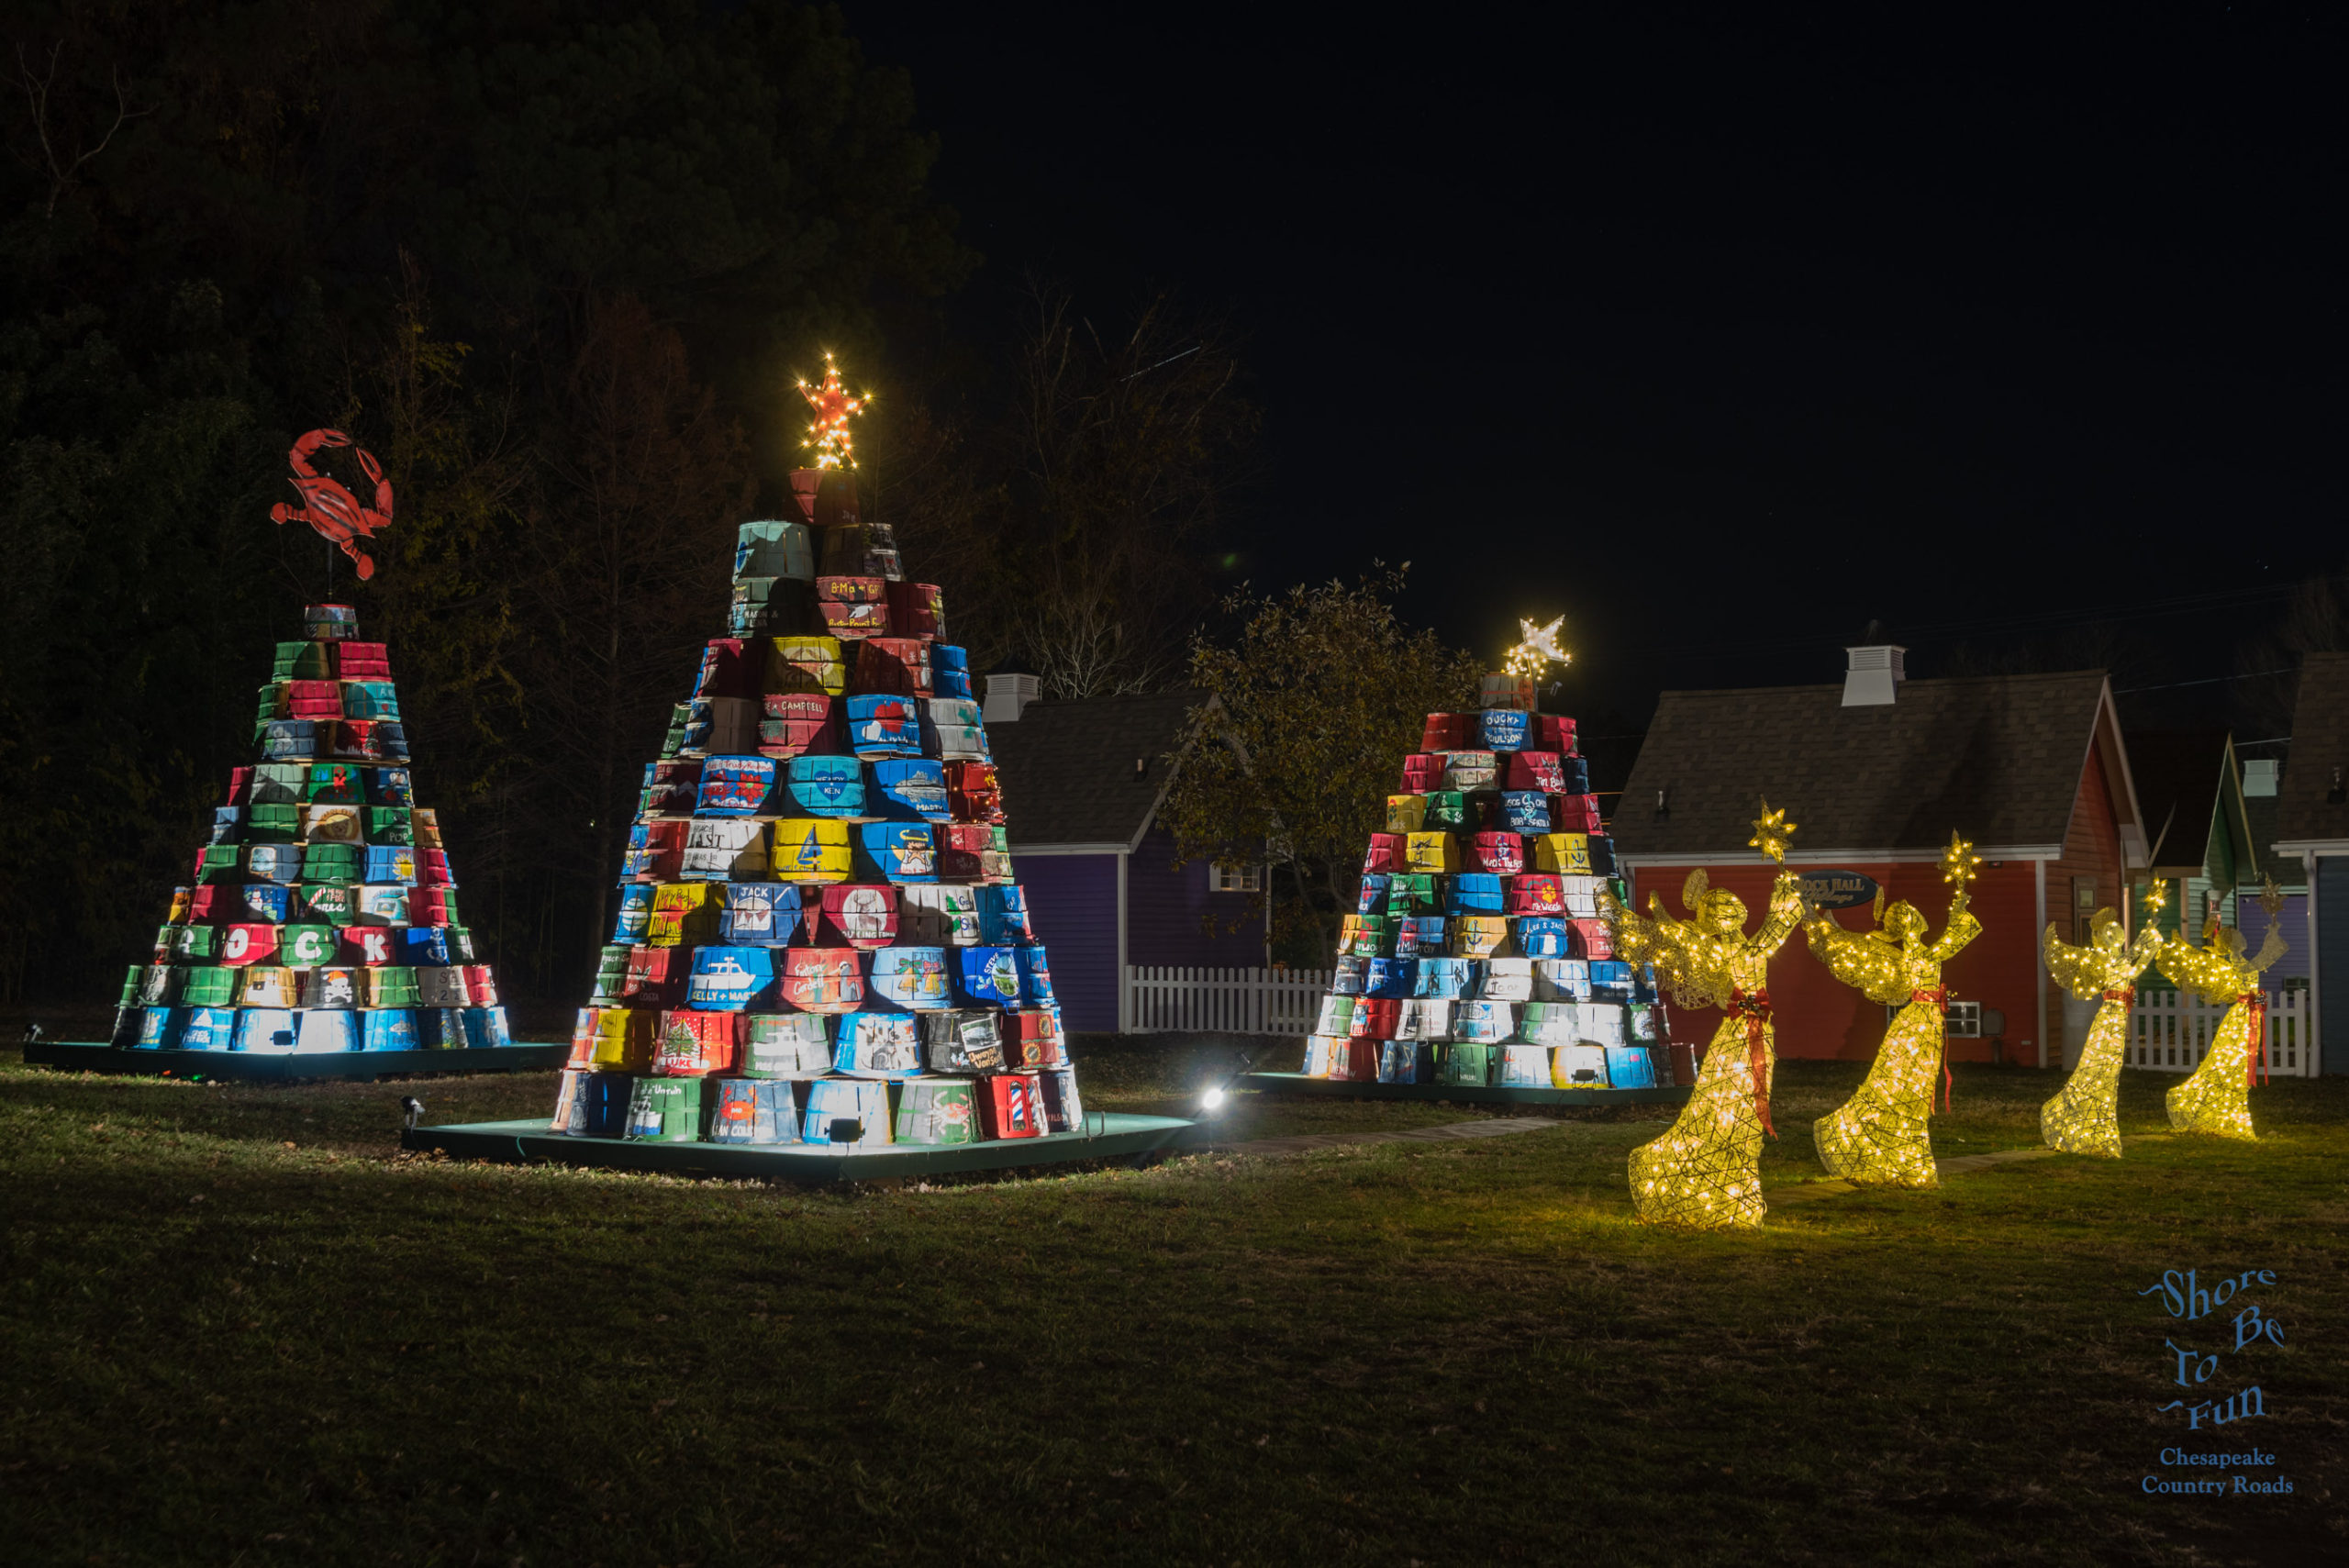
[829, 436]
[1772, 833]
[1959, 860]
[1539, 650]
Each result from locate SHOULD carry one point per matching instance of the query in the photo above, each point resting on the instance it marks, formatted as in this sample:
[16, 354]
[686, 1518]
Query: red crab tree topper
[339, 518]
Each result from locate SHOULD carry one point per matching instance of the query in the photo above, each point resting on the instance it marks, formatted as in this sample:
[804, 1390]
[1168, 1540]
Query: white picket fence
[2169, 1031]
[1228, 1001]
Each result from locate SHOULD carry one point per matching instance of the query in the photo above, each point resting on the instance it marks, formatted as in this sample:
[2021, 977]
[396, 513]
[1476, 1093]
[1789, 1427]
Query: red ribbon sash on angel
[2255, 1065]
[1755, 1009]
[1939, 997]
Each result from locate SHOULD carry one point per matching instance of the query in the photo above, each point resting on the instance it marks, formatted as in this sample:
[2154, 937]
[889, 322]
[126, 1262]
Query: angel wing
[2077, 970]
[2206, 971]
[1680, 955]
[1870, 967]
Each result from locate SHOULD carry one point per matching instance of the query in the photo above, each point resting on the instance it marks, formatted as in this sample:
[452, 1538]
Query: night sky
[1723, 336]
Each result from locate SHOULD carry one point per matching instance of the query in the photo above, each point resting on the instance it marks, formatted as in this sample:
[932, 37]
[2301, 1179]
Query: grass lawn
[243, 1330]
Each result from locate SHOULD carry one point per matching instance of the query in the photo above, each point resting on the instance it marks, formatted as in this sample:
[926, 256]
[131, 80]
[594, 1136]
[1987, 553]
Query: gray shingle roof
[1067, 768]
[1998, 757]
[2319, 747]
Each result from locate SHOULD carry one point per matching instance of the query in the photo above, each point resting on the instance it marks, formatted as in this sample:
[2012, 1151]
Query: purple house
[1082, 786]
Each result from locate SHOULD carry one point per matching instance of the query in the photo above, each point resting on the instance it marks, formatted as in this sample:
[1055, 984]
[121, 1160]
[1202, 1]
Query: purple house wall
[1072, 904]
[1163, 909]
[1082, 786]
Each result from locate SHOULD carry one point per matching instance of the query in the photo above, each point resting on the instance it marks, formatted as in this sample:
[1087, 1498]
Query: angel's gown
[1706, 1173]
[1880, 1135]
[2217, 1098]
[2083, 1118]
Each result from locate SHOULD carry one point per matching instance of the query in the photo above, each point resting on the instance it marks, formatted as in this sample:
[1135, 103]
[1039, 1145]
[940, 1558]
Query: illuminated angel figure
[2217, 1098]
[1880, 1134]
[2081, 1118]
[1706, 1173]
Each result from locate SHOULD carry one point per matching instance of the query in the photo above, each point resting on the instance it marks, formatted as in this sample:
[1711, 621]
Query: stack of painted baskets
[818, 939]
[1476, 956]
[322, 917]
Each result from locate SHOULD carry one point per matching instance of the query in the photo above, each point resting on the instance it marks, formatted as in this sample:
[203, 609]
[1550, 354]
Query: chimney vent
[2259, 776]
[1006, 694]
[1874, 676]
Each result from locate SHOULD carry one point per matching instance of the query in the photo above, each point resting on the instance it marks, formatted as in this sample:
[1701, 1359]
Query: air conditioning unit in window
[1964, 1022]
[1235, 879]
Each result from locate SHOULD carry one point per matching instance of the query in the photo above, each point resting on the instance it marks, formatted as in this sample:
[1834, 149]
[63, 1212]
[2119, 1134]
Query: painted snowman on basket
[1706, 1173]
[1881, 1135]
[2217, 1098]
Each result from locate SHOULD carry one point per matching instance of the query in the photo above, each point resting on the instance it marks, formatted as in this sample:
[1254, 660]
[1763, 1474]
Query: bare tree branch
[36, 94]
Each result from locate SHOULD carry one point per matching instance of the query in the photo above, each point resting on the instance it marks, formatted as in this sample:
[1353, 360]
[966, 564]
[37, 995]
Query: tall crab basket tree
[1316, 698]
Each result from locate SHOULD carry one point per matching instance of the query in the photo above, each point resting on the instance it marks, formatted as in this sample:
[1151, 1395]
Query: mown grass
[241, 1328]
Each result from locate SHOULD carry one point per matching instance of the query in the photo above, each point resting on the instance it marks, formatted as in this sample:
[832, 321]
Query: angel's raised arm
[1963, 928]
[1785, 915]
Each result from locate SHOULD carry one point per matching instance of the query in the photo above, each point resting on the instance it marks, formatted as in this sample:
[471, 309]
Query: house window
[2084, 910]
[1223, 878]
[1963, 1021]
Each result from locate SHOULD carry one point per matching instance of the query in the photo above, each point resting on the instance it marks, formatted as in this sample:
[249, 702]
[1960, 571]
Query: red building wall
[2091, 850]
[1819, 1015]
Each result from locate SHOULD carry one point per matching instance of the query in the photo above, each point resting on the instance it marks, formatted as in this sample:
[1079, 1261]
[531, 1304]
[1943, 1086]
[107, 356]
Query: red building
[1878, 771]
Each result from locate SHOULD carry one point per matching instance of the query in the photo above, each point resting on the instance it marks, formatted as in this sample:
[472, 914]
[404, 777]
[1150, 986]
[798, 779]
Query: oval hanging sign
[1838, 889]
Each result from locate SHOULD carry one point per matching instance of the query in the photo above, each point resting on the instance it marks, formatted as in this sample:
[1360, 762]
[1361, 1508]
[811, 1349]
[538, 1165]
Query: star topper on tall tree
[830, 435]
[1539, 650]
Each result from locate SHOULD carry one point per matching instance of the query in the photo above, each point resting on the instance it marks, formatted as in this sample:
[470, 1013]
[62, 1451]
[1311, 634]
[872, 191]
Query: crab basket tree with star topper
[819, 939]
[1476, 955]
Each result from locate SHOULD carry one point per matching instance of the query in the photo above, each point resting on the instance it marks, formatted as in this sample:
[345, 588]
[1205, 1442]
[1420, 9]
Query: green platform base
[256, 1067]
[1458, 1093]
[1115, 1137]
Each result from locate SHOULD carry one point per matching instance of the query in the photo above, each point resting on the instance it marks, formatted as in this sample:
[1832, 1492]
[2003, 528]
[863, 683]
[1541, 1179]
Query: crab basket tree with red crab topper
[322, 918]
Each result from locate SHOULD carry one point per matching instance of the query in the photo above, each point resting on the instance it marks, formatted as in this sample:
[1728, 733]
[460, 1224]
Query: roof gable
[2304, 813]
[1998, 758]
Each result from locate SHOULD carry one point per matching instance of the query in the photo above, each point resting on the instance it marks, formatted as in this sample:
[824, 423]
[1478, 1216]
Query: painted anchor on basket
[339, 518]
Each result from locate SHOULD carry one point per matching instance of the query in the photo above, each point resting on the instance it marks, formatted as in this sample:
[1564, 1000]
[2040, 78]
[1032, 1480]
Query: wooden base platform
[1129, 1139]
[1458, 1093]
[293, 1067]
